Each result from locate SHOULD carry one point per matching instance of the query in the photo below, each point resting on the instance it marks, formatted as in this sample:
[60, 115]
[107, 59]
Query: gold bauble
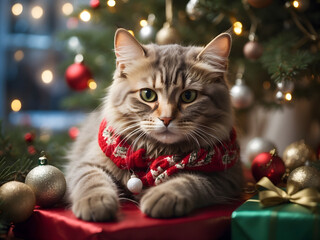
[303, 177]
[48, 184]
[17, 201]
[167, 35]
[297, 154]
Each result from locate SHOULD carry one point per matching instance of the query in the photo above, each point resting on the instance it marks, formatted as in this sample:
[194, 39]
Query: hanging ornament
[269, 165]
[253, 50]
[303, 177]
[258, 145]
[147, 32]
[259, 3]
[29, 137]
[193, 10]
[134, 184]
[77, 75]
[17, 202]
[95, 3]
[47, 182]
[241, 95]
[73, 132]
[298, 154]
[168, 34]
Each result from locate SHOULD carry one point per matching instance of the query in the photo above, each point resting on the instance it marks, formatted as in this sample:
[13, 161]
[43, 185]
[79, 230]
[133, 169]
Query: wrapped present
[58, 223]
[276, 214]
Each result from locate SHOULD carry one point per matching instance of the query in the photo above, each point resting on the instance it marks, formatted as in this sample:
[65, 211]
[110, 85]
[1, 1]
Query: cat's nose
[166, 120]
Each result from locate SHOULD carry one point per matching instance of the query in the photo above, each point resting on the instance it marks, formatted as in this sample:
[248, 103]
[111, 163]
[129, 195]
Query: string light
[92, 84]
[47, 76]
[131, 32]
[288, 96]
[16, 105]
[143, 23]
[295, 4]
[67, 9]
[17, 9]
[37, 12]
[111, 3]
[237, 28]
[85, 16]
[18, 55]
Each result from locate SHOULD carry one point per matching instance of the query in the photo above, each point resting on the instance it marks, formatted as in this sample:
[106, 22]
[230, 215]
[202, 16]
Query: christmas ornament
[252, 50]
[167, 35]
[17, 201]
[77, 76]
[29, 137]
[258, 145]
[193, 10]
[259, 3]
[269, 165]
[297, 154]
[134, 184]
[280, 97]
[285, 86]
[146, 32]
[47, 182]
[73, 132]
[241, 95]
[303, 177]
[94, 3]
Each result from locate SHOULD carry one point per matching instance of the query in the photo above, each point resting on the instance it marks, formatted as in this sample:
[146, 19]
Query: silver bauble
[241, 95]
[48, 184]
[303, 177]
[167, 35]
[258, 145]
[193, 10]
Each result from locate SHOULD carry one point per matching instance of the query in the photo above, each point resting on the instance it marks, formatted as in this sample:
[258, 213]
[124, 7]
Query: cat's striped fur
[94, 181]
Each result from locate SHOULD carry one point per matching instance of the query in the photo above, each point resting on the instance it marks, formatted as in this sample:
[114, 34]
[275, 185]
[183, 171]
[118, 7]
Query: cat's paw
[97, 207]
[160, 202]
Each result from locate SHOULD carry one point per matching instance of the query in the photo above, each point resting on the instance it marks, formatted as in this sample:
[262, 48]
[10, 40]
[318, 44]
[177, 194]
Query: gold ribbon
[273, 195]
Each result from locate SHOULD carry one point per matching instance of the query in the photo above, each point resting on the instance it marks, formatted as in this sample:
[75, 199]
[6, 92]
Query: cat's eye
[189, 96]
[148, 95]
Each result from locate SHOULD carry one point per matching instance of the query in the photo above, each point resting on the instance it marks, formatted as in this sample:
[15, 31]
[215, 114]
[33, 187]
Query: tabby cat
[166, 120]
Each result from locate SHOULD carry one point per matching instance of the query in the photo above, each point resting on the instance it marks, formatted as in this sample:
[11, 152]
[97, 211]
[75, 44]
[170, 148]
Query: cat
[169, 102]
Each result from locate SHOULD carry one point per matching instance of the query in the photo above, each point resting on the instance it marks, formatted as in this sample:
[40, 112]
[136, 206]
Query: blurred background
[56, 59]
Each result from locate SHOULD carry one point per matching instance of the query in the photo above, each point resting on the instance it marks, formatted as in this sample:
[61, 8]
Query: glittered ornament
[47, 182]
[241, 95]
[297, 154]
[17, 201]
[303, 177]
[94, 3]
[253, 50]
[259, 3]
[77, 76]
[134, 184]
[269, 165]
[258, 145]
[193, 10]
[167, 35]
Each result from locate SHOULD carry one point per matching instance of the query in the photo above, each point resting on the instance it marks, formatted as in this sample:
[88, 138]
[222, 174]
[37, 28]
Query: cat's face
[171, 94]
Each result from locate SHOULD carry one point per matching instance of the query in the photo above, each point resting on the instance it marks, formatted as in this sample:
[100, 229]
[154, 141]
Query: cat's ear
[127, 48]
[219, 46]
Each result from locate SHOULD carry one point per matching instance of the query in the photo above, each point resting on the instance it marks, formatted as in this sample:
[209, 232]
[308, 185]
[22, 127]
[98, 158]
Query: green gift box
[284, 221]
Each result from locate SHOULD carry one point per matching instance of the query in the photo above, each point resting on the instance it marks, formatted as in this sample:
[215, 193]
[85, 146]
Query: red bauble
[29, 137]
[94, 3]
[73, 132]
[259, 3]
[252, 50]
[77, 76]
[268, 165]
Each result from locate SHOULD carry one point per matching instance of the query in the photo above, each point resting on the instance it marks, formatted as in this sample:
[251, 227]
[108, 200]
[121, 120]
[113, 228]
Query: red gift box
[59, 224]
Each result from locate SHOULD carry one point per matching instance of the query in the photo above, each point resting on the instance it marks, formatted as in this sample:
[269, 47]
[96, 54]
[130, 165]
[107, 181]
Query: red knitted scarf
[153, 171]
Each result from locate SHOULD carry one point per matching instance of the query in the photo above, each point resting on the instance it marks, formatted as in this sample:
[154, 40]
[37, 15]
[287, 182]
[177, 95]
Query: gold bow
[308, 197]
